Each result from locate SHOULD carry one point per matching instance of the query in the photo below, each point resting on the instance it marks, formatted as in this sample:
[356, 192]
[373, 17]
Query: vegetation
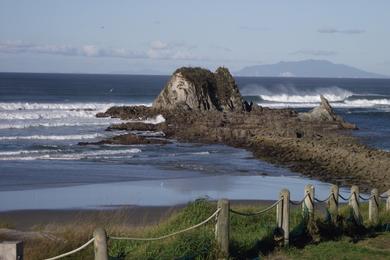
[251, 237]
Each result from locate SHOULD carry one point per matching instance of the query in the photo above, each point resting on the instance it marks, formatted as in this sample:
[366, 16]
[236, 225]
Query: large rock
[200, 89]
[325, 113]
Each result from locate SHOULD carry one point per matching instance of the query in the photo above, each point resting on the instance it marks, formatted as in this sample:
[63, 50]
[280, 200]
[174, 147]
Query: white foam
[22, 125]
[201, 153]
[379, 104]
[155, 120]
[26, 152]
[284, 98]
[63, 106]
[45, 114]
[52, 137]
[26, 155]
[367, 103]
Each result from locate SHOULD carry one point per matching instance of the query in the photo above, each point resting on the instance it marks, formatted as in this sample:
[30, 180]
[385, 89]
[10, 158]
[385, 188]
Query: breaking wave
[289, 96]
[23, 125]
[63, 106]
[28, 155]
[53, 137]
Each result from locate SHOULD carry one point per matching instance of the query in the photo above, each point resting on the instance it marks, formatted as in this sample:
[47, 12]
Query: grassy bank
[251, 237]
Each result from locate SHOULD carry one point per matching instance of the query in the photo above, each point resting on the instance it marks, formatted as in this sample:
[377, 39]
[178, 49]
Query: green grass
[251, 237]
[339, 249]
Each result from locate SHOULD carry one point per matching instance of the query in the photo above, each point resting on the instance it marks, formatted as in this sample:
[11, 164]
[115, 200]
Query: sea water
[44, 116]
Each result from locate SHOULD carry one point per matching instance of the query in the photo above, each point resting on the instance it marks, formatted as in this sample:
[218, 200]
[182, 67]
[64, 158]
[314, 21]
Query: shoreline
[320, 150]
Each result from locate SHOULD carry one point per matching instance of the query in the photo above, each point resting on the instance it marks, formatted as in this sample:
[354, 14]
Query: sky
[156, 37]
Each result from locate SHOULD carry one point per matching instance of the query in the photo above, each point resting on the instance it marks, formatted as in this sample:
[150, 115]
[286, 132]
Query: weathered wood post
[222, 228]
[285, 219]
[333, 202]
[11, 250]
[279, 212]
[100, 244]
[308, 203]
[373, 207]
[388, 201]
[354, 203]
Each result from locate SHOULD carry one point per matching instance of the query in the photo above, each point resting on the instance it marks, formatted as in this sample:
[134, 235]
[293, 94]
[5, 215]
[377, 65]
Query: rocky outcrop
[325, 113]
[200, 90]
[201, 106]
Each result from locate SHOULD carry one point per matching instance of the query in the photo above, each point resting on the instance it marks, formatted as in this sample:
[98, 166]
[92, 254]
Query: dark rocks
[200, 90]
[325, 113]
[135, 126]
[129, 112]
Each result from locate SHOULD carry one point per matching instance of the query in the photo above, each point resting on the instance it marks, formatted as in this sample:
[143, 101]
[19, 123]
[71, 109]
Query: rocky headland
[202, 106]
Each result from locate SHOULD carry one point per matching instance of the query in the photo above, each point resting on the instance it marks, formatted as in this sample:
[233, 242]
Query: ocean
[44, 116]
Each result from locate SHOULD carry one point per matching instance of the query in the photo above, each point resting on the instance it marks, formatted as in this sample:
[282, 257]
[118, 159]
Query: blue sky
[118, 36]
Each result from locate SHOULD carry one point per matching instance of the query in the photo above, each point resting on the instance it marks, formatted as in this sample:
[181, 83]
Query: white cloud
[175, 51]
[343, 31]
[67, 50]
[157, 50]
[158, 45]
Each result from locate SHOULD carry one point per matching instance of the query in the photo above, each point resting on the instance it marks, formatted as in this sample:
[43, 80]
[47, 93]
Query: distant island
[306, 68]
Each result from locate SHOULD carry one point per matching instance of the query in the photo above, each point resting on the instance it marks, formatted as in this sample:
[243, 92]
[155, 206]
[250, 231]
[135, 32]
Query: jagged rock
[134, 126]
[200, 89]
[324, 112]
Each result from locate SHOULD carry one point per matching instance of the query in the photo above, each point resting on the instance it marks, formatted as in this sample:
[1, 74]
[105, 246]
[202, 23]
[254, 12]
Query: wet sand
[159, 192]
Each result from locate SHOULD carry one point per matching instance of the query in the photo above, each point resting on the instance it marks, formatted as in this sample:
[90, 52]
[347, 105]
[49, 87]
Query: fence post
[308, 203]
[388, 201]
[285, 195]
[333, 202]
[222, 228]
[11, 250]
[373, 206]
[100, 244]
[279, 212]
[354, 203]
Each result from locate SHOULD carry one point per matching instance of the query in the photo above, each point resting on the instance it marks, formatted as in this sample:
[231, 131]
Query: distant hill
[306, 68]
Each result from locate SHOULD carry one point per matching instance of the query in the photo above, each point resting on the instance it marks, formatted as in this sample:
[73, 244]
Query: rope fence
[343, 198]
[222, 217]
[169, 235]
[73, 251]
[256, 213]
[299, 202]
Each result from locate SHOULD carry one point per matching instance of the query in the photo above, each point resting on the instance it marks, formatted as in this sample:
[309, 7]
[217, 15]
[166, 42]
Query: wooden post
[100, 244]
[373, 207]
[279, 212]
[354, 203]
[285, 195]
[222, 228]
[333, 202]
[11, 250]
[388, 201]
[308, 203]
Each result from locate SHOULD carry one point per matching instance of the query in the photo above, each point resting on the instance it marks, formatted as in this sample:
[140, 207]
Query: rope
[356, 198]
[376, 201]
[343, 198]
[169, 235]
[363, 198]
[299, 202]
[383, 197]
[256, 213]
[324, 200]
[73, 251]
